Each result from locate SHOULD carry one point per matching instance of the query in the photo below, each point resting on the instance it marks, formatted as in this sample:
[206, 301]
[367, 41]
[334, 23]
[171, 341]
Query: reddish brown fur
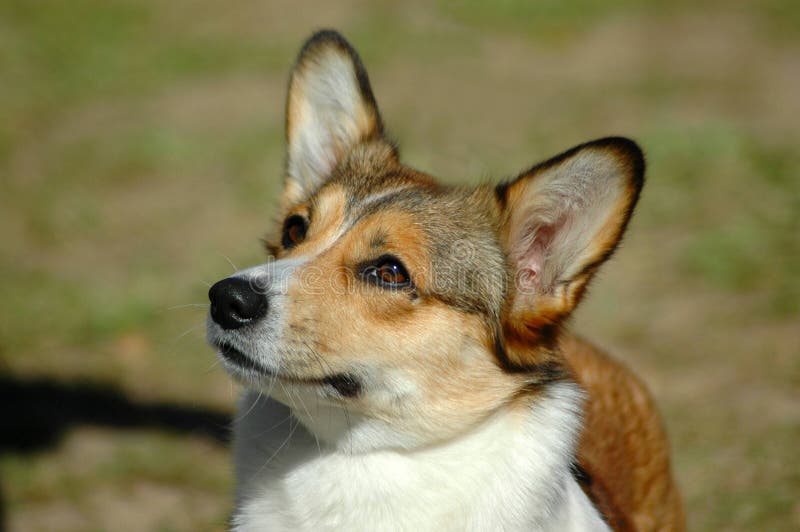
[624, 448]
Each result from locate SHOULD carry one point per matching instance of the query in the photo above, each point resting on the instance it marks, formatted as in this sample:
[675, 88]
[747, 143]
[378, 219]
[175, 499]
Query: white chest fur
[508, 474]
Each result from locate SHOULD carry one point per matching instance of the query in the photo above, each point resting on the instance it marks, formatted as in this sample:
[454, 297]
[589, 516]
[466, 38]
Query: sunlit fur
[451, 403]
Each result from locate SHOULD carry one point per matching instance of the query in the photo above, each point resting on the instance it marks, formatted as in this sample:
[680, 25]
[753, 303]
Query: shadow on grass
[38, 412]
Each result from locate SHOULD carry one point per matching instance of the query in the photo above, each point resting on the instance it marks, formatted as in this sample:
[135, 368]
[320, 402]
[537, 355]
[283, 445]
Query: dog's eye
[294, 231]
[388, 272]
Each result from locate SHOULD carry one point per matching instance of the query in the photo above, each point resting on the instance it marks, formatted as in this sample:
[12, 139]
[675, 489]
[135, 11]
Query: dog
[404, 352]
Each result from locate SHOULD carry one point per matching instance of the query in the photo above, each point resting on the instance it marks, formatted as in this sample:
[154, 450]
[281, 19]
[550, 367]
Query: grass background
[141, 150]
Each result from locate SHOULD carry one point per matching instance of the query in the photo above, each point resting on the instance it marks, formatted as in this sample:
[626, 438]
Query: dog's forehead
[444, 214]
[373, 167]
[373, 180]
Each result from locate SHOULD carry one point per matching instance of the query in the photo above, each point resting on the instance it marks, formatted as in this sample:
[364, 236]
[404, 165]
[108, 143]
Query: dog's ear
[329, 109]
[561, 220]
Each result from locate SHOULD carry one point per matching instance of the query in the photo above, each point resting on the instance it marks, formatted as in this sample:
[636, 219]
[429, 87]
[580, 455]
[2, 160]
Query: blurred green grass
[141, 151]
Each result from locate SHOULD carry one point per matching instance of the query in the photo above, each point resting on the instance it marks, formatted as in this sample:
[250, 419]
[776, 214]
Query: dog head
[397, 311]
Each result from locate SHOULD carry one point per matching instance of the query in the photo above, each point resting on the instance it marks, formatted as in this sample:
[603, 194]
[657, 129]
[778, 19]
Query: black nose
[235, 303]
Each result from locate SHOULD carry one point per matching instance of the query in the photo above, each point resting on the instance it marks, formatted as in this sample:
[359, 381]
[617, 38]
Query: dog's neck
[512, 472]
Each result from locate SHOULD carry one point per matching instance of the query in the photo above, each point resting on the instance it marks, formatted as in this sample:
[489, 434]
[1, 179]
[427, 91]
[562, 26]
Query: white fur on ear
[330, 108]
[566, 216]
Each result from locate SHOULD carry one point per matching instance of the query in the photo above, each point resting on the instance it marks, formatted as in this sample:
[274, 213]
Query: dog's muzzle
[235, 302]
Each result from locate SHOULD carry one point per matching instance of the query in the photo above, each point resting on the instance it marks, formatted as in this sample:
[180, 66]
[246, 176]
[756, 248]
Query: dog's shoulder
[623, 452]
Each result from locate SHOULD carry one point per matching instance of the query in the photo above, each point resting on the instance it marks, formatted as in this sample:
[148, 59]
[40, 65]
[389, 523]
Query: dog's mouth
[242, 361]
[347, 385]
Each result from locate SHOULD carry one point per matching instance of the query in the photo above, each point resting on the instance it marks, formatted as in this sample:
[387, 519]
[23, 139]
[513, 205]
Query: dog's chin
[249, 372]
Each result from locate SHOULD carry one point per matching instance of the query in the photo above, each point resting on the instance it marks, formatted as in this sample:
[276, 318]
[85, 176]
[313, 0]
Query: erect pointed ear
[329, 109]
[562, 219]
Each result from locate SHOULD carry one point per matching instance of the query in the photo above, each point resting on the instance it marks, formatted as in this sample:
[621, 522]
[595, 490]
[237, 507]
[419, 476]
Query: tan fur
[423, 337]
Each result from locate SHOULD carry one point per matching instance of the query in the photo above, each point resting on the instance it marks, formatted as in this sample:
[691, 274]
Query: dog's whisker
[235, 269]
[323, 364]
[349, 428]
[189, 331]
[272, 427]
[188, 305]
[250, 409]
[287, 394]
[272, 381]
[300, 398]
[213, 365]
[282, 445]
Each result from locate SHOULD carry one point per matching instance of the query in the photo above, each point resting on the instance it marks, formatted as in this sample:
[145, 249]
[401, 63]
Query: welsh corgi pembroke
[404, 352]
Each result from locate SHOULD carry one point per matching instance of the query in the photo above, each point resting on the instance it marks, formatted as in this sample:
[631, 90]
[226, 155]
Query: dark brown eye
[388, 272]
[294, 231]
[392, 274]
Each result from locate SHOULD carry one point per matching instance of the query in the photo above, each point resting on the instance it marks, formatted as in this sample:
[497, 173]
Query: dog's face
[408, 309]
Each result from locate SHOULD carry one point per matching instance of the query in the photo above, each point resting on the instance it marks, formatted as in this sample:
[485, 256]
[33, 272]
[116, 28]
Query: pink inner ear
[531, 261]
